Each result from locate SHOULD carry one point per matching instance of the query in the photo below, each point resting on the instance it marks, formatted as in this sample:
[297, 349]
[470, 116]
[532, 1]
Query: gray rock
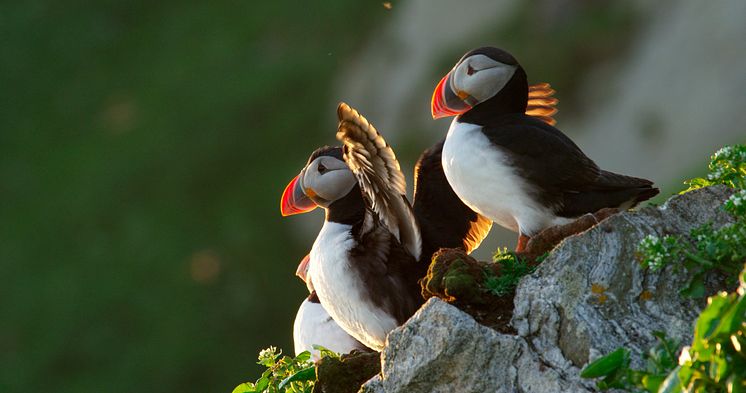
[441, 349]
[587, 298]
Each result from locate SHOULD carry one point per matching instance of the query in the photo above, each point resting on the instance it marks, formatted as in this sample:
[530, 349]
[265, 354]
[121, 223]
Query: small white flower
[685, 357]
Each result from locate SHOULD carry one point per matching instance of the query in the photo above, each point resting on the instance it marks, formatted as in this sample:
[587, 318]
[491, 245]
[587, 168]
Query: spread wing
[541, 103]
[374, 164]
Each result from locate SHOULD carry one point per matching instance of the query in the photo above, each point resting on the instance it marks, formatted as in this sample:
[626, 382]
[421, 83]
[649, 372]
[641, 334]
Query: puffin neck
[349, 209]
[513, 98]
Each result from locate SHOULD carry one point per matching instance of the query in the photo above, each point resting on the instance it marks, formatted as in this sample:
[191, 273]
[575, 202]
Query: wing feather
[383, 184]
[541, 103]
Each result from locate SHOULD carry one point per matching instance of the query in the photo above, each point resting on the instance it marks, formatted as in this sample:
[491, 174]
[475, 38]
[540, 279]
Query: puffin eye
[321, 168]
[470, 70]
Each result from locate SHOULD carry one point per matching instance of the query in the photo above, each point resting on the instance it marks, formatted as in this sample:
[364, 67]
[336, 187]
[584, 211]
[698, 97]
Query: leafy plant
[727, 166]
[714, 362]
[722, 249]
[284, 373]
[512, 269]
[614, 367]
[707, 248]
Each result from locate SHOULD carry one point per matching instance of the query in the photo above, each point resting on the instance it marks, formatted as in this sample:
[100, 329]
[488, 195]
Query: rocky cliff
[588, 297]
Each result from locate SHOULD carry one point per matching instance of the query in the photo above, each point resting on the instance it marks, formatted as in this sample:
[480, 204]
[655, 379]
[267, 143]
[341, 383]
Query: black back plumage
[389, 271]
[563, 176]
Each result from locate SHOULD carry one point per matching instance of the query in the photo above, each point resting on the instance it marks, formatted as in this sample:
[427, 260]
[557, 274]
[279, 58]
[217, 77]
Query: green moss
[455, 276]
[347, 373]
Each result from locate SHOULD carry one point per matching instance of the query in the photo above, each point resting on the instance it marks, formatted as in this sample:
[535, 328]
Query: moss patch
[346, 374]
[460, 280]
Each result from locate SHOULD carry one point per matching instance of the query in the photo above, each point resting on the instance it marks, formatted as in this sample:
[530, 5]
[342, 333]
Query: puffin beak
[302, 270]
[294, 200]
[446, 102]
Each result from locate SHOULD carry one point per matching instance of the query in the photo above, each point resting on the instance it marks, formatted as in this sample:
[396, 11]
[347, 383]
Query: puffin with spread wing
[364, 262]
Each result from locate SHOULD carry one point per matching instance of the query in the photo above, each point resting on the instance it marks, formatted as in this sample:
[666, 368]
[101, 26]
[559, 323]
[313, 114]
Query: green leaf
[695, 289]
[307, 374]
[262, 383]
[736, 384]
[734, 317]
[695, 183]
[662, 357]
[303, 356]
[324, 352]
[685, 375]
[710, 318]
[606, 365]
[719, 369]
[246, 387]
[672, 383]
[652, 382]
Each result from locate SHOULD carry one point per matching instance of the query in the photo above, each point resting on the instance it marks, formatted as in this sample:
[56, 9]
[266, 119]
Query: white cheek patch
[488, 78]
[331, 185]
[485, 84]
[334, 185]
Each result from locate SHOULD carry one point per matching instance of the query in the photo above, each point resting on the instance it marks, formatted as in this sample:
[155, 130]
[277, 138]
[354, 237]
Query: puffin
[445, 221]
[515, 169]
[364, 261]
[314, 326]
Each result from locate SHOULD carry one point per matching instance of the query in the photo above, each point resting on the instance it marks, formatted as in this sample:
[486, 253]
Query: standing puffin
[515, 169]
[445, 221]
[314, 326]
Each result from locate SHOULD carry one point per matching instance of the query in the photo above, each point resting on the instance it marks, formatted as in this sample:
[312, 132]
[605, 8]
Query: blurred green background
[143, 150]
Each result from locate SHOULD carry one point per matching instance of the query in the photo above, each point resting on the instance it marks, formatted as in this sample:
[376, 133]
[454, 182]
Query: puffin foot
[605, 213]
[547, 239]
[522, 243]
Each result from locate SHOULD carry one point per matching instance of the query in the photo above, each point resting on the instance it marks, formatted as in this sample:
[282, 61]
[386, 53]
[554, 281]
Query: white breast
[481, 175]
[314, 326]
[339, 288]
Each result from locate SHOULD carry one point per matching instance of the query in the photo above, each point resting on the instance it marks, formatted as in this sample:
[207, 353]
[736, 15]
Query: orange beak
[446, 102]
[294, 200]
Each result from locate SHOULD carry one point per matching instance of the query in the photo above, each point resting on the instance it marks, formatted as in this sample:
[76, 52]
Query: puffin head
[325, 179]
[480, 75]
